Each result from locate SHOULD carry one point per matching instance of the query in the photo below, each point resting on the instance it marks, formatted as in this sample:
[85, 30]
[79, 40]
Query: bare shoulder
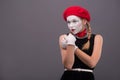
[98, 37]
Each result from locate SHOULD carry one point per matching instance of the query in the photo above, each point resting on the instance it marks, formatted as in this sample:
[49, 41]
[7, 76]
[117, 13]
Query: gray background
[29, 33]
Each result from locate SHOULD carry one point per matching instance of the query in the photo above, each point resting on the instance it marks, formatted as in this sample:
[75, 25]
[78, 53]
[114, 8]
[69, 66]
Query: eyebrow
[73, 20]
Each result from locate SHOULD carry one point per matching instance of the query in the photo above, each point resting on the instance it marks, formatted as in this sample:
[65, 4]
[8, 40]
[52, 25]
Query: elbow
[67, 66]
[92, 64]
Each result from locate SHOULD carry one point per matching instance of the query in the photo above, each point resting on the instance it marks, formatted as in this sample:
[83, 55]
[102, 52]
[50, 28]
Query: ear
[84, 21]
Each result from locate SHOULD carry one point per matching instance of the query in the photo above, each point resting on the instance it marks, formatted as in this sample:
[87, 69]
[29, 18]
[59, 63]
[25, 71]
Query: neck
[82, 34]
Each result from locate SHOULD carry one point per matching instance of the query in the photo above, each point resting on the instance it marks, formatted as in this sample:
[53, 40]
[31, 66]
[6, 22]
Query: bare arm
[92, 60]
[67, 54]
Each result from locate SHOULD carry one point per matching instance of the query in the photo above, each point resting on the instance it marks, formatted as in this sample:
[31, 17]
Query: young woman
[80, 48]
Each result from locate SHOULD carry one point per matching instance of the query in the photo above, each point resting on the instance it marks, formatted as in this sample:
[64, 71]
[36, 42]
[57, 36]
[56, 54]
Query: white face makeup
[74, 24]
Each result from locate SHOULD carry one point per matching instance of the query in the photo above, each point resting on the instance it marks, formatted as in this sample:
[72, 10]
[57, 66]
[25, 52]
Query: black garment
[76, 75]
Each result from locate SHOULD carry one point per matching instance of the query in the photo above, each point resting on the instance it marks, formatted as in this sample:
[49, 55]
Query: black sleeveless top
[79, 43]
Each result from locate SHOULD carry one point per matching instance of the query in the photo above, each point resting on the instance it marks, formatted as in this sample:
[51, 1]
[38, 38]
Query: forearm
[67, 47]
[88, 60]
[92, 60]
[69, 57]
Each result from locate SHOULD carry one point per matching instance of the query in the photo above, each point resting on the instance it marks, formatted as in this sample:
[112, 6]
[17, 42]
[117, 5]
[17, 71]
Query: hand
[71, 39]
[64, 42]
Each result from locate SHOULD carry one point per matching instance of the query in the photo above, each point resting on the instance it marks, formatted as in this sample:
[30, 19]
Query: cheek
[79, 27]
[68, 26]
[79, 24]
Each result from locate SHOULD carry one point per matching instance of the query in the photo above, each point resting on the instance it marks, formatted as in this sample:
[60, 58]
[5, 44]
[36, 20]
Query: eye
[74, 21]
[68, 22]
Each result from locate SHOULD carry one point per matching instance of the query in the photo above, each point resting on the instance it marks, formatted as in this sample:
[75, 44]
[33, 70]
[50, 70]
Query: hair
[87, 44]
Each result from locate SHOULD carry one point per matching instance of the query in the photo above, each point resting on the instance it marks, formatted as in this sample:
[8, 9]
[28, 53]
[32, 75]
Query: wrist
[70, 48]
[75, 48]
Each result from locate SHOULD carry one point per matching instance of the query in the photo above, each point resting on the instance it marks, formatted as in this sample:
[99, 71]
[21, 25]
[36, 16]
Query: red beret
[77, 11]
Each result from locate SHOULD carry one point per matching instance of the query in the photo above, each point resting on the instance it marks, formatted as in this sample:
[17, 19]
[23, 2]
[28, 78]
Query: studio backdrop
[29, 35]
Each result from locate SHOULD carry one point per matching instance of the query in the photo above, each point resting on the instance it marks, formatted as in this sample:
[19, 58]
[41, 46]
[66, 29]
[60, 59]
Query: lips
[72, 30]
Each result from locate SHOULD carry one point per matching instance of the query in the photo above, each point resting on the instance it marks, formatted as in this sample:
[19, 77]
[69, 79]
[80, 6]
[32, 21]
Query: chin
[75, 33]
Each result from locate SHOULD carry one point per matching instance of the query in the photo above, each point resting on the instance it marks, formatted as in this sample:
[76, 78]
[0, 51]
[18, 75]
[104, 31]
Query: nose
[71, 25]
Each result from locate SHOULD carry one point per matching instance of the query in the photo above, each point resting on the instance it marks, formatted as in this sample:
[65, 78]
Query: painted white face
[74, 24]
